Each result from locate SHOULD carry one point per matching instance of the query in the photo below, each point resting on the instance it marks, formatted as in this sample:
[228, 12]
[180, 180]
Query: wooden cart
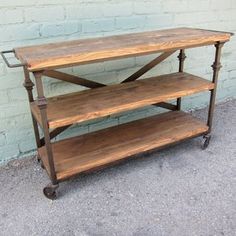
[69, 157]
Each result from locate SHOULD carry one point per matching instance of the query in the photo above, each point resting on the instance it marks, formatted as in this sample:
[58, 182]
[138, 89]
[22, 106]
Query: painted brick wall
[24, 22]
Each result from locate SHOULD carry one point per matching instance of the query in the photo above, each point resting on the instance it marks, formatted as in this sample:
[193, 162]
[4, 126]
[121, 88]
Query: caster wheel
[50, 191]
[206, 141]
[38, 158]
[42, 165]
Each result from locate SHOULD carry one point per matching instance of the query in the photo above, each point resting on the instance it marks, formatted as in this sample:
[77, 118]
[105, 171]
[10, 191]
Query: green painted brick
[105, 123]
[56, 29]
[11, 16]
[98, 25]
[28, 22]
[117, 9]
[16, 32]
[3, 97]
[119, 64]
[41, 14]
[130, 22]
[2, 139]
[84, 11]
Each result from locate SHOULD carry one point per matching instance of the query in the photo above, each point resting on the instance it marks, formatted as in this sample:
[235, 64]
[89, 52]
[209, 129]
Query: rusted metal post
[216, 68]
[182, 58]
[28, 84]
[42, 105]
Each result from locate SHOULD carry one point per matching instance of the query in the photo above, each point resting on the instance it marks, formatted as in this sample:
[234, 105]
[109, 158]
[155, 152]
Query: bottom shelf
[90, 151]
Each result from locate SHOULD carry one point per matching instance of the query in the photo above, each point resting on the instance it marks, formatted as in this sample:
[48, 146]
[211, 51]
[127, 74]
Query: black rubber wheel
[38, 158]
[50, 192]
[206, 142]
[42, 165]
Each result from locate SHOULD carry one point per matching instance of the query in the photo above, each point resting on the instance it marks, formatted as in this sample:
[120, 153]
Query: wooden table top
[83, 51]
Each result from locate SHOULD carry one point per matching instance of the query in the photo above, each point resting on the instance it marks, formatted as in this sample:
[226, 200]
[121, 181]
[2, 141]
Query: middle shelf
[94, 103]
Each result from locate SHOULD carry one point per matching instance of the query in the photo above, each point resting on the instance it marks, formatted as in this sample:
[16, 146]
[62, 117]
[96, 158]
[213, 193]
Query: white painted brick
[142, 7]
[8, 152]
[198, 6]
[16, 3]
[57, 88]
[229, 84]
[2, 69]
[190, 18]
[119, 64]
[15, 122]
[13, 137]
[105, 77]
[84, 11]
[222, 5]
[14, 109]
[19, 32]
[176, 6]
[27, 145]
[41, 14]
[125, 73]
[17, 94]
[2, 138]
[104, 124]
[130, 22]
[134, 115]
[232, 74]
[159, 21]
[56, 2]
[73, 131]
[9, 81]
[95, 68]
[92, 26]
[55, 29]
[9, 16]
[118, 9]
[142, 60]
[28, 22]
[3, 97]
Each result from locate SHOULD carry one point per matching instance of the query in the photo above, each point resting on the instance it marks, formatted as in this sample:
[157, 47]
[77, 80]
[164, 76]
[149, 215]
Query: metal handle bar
[7, 62]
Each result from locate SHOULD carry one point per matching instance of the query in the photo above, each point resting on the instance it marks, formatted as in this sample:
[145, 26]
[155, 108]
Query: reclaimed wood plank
[90, 104]
[94, 150]
[83, 51]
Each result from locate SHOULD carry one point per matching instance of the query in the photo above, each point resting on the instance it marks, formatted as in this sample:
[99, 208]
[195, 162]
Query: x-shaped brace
[91, 84]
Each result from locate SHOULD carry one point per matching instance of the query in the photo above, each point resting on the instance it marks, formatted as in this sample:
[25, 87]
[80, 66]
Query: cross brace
[92, 84]
[72, 79]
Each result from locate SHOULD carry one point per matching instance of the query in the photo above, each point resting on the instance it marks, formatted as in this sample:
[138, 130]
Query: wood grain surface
[90, 151]
[69, 53]
[99, 102]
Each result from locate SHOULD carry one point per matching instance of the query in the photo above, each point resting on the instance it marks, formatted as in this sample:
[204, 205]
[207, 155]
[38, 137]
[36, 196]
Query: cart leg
[216, 68]
[50, 190]
[28, 84]
[182, 58]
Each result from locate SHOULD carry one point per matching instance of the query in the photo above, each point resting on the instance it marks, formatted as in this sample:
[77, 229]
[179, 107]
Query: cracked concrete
[181, 190]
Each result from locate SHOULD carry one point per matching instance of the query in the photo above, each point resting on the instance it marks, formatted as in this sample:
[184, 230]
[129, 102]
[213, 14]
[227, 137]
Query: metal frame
[216, 68]
[72, 79]
[49, 191]
[182, 58]
[41, 102]
[149, 66]
[91, 84]
[28, 84]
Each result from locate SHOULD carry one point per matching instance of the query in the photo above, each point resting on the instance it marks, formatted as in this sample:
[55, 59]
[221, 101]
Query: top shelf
[64, 54]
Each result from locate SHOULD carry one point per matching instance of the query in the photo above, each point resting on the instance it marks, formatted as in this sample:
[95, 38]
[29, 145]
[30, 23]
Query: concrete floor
[180, 191]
